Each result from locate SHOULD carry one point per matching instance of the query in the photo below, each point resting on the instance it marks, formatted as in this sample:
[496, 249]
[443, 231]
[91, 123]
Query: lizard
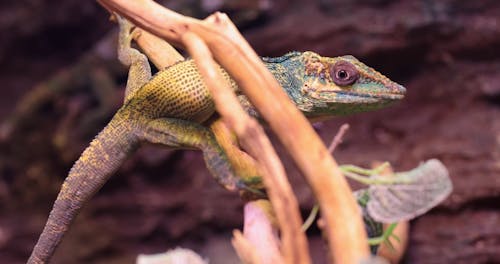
[173, 107]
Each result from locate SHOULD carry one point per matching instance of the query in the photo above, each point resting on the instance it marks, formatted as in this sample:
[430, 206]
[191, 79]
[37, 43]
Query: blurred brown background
[61, 82]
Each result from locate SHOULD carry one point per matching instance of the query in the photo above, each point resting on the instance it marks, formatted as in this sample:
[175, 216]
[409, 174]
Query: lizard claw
[136, 32]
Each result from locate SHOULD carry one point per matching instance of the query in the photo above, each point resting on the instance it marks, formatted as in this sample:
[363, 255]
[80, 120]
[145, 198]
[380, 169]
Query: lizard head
[326, 86]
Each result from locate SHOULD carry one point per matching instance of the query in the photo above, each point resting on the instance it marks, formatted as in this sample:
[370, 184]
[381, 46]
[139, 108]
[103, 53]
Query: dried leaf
[412, 194]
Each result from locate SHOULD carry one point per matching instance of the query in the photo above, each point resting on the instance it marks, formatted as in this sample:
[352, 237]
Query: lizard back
[178, 92]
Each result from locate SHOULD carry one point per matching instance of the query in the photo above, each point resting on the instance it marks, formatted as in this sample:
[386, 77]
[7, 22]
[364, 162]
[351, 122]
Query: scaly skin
[171, 108]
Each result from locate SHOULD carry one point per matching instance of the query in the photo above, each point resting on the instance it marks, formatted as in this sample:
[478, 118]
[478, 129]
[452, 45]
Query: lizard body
[172, 108]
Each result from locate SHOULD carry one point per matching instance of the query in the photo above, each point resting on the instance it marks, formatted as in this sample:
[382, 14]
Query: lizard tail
[97, 163]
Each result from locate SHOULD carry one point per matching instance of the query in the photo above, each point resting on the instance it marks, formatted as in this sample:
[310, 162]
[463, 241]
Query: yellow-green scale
[178, 92]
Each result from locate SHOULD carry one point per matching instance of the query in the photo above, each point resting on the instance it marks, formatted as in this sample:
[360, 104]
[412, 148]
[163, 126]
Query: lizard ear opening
[343, 73]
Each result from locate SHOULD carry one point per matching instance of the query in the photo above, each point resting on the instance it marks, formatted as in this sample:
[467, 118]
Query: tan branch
[253, 138]
[160, 52]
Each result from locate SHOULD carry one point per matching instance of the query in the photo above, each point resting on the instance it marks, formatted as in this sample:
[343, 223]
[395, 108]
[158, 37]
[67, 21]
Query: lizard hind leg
[179, 133]
[139, 71]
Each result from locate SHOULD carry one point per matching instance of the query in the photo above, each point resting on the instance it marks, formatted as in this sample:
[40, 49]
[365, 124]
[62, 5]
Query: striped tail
[96, 164]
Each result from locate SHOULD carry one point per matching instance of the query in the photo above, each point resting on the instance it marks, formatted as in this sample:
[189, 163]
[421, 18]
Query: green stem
[363, 171]
[310, 219]
[384, 237]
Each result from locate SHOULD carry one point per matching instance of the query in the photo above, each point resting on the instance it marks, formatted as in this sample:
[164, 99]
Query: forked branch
[343, 227]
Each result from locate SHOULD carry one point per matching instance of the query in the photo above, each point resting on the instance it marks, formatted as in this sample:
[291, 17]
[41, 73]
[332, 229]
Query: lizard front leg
[244, 165]
[139, 72]
[97, 163]
[179, 133]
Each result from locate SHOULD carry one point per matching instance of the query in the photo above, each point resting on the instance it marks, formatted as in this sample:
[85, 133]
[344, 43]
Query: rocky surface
[445, 52]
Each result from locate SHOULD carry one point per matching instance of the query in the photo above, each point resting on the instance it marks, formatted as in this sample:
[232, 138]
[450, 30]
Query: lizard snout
[397, 88]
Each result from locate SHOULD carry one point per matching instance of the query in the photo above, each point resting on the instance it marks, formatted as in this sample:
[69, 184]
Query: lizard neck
[287, 70]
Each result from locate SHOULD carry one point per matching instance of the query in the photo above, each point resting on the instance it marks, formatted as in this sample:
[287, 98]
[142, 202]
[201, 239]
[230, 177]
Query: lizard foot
[126, 53]
[252, 188]
[126, 27]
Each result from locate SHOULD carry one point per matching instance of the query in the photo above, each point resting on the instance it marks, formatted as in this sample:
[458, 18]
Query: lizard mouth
[387, 96]
[394, 91]
[339, 96]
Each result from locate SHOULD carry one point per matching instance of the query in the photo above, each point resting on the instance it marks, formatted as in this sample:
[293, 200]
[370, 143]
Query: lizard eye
[343, 73]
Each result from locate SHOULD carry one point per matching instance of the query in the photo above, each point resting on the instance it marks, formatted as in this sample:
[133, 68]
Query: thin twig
[337, 139]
